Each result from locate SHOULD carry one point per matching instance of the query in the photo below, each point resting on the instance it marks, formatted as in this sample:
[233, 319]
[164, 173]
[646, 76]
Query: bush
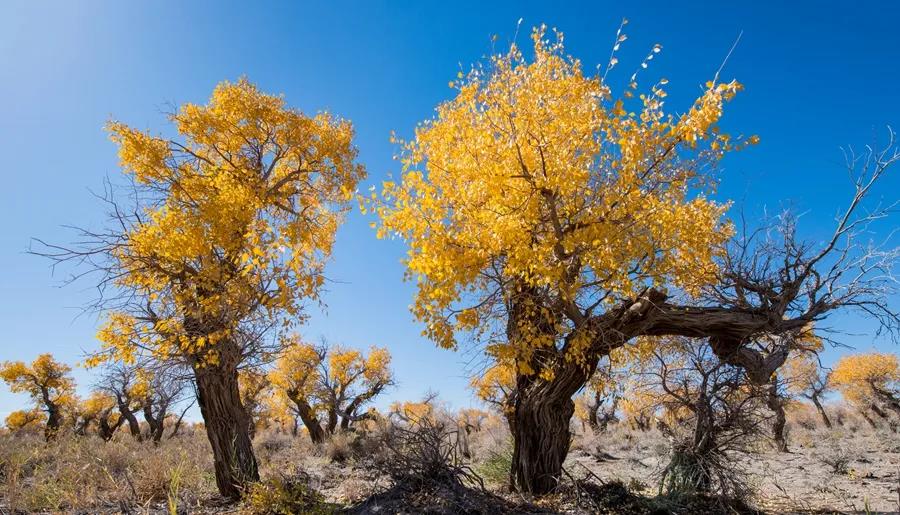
[495, 469]
[285, 496]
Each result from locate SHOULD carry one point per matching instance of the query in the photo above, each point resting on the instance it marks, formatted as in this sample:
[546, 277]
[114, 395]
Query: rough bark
[821, 409]
[107, 430]
[125, 412]
[155, 421]
[308, 416]
[541, 433]
[775, 402]
[227, 428]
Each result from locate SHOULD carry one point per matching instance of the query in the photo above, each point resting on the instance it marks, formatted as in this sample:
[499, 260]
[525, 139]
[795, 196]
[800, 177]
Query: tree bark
[54, 421]
[776, 404]
[133, 425]
[308, 416]
[821, 410]
[541, 432]
[227, 428]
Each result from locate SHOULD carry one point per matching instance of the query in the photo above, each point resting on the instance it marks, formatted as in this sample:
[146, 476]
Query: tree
[26, 421]
[253, 386]
[123, 383]
[718, 412]
[99, 408]
[226, 235]
[869, 381]
[49, 385]
[806, 378]
[496, 387]
[160, 391]
[330, 381]
[545, 214]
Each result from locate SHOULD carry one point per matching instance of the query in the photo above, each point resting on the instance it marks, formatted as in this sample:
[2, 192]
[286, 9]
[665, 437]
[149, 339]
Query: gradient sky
[817, 76]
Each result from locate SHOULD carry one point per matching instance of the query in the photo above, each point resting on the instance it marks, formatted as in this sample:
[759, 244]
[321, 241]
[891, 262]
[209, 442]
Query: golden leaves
[533, 172]
[240, 220]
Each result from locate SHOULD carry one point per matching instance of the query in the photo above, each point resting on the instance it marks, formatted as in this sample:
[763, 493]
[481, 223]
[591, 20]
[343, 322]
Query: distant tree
[332, 382]
[124, 384]
[254, 387]
[496, 387]
[871, 382]
[49, 385]
[808, 379]
[160, 391]
[226, 235]
[26, 421]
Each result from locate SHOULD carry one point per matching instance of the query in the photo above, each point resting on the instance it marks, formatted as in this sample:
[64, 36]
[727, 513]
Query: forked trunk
[133, 425]
[227, 429]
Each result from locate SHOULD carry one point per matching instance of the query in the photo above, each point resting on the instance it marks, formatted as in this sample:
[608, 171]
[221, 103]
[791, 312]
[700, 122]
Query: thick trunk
[821, 410]
[106, 429]
[540, 442]
[133, 425]
[332, 420]
[54, 421]
[541, 433]
[308, 416]
[155, 422]
[226, 427]
[776, 404]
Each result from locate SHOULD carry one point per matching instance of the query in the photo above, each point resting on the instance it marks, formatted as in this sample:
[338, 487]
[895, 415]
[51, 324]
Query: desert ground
[851, 468]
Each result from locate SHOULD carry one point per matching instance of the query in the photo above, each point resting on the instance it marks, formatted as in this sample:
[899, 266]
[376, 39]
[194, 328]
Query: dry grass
[849, 467]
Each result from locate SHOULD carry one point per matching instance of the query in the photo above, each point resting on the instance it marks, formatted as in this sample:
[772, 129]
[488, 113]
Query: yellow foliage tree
[235, 219]
[869, 381]
[544, 212]
[49, 385]
[333, 382]
[26, 421]
[99, 408]
[535, 195]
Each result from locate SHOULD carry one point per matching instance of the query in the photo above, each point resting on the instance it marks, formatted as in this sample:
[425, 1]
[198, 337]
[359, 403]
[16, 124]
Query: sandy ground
[823, 472]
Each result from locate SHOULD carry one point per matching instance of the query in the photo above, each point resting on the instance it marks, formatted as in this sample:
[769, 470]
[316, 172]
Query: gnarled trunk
[308, 416]
[54, 421]
[775, 403]
[541, 432]
[821, 410]
[227, 428]
[133, 425]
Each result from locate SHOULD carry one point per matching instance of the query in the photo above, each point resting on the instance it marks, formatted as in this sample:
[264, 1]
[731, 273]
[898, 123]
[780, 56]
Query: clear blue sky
[818, 75]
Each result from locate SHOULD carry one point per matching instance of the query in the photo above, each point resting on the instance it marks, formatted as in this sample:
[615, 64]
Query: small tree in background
[329, 386]
[871, 382]
[99, 409]
[806, 378]
[48, 383]
[26, 421]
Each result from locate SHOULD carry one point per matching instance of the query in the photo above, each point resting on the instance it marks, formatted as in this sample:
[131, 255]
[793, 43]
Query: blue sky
[817, 76]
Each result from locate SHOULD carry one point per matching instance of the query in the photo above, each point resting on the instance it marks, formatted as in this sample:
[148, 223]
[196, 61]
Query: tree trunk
[542, 410]
[226, 427]
[776, 404]
[868, 419]
[133, 425]
[821, 410]
[54, 421]
[308, 416]
[540, 440]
